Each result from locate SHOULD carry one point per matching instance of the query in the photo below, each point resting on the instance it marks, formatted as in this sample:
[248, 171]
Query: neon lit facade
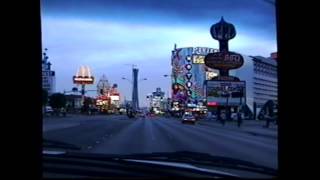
[199, 73]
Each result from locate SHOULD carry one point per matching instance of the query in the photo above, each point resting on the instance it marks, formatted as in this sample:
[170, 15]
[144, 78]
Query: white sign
[114, 98]
[203, 50]
[83, 79]
[210, 75]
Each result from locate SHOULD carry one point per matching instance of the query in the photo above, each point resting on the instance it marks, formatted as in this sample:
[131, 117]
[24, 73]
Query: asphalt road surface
[118, 134]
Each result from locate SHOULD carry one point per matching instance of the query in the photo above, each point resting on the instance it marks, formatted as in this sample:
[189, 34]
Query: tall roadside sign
[224, 86]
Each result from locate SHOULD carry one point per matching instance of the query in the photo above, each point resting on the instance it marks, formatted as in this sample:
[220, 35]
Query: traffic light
[101, 91]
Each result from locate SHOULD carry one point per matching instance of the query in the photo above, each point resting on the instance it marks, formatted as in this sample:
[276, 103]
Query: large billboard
[225, 92]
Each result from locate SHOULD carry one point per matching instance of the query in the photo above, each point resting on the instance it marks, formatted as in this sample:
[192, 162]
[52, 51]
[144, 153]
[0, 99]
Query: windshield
[120, 76]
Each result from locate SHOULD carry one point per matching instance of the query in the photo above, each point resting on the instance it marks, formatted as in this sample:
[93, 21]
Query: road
[118, 134]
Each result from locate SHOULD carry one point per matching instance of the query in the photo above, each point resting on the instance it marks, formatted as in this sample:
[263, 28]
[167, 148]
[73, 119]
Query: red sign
[212, 104]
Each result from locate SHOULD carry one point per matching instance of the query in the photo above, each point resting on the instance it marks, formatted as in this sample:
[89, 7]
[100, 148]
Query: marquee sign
[226, 78]
[83, 80]
[224, 60]
[197, 59]
[203, 50]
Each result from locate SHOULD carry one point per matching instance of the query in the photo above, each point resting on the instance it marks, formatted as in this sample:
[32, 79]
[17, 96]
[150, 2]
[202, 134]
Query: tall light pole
[134, 83]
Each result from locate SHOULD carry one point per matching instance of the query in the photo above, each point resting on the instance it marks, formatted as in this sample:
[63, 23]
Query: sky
[108, 35]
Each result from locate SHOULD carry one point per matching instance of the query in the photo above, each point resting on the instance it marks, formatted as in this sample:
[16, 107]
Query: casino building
[180, 58]
[259, 73]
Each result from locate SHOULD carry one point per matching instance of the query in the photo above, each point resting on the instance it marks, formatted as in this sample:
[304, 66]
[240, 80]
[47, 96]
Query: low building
[188, 68]
[74, 102]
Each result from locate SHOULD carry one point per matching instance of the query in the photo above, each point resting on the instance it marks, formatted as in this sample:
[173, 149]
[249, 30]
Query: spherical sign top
[223, 31]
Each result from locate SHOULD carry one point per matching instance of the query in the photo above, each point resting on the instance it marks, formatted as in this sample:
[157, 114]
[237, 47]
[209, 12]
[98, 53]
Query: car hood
[181, 165]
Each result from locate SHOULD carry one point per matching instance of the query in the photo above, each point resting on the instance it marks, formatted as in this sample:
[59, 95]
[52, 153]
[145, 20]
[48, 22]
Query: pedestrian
[223, 118]
[63, 111]
[268, 119]
[239, 114]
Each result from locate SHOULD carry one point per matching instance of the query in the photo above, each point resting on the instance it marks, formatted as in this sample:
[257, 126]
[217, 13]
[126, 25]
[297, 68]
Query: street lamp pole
[227, 104]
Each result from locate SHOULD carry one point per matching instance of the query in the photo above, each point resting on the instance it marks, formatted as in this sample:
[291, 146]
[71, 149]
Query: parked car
[188, 118]
[48, 110]
[234, 116]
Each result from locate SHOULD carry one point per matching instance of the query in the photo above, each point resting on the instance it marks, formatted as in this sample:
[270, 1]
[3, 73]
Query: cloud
[254, 13]
[106, 46]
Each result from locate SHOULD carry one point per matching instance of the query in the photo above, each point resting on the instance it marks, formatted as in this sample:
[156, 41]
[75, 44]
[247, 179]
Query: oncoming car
[188, 118]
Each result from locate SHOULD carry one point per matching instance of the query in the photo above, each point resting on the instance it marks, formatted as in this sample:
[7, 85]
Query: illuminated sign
[191, 105]
[224, 60]
[210, 75]
[114, 98]
[224, 92]
[226, 78]
[83, 80]
[188, 58]
[189, 84]
[188, 75]
[203, 50]
[188, 67]
[212, 103]
[198, 59]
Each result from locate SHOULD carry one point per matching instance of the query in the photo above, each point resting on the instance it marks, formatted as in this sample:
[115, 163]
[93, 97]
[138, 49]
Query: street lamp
[172, 76]
[143, 79]
[126, 79]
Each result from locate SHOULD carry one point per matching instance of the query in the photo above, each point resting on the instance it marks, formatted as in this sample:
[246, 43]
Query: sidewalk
[253, 127]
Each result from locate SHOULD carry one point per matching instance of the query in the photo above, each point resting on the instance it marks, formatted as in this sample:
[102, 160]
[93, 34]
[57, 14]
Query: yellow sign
[198, 59]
